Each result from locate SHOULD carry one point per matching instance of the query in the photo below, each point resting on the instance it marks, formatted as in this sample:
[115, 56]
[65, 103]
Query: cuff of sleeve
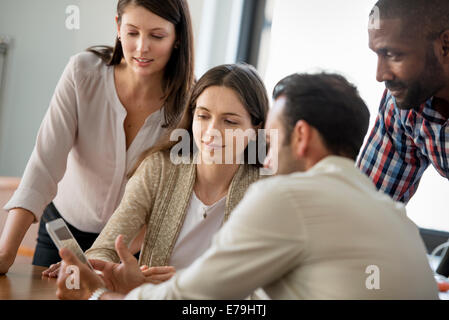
[152, 292]
[135, 294]
[28, 199]
[93, 254]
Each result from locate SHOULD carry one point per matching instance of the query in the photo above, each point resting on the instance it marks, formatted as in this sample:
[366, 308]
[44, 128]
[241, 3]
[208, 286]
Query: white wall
[332, 36]
[217, 27]
[42, 45]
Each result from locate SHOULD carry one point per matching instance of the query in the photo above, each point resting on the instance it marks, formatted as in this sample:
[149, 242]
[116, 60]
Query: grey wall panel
[41, 46]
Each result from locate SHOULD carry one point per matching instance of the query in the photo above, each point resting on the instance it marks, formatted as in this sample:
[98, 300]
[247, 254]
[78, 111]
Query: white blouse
[80, 161]
[200, 225]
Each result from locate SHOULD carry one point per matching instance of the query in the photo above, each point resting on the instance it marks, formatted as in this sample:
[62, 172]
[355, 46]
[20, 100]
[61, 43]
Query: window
[308, 36]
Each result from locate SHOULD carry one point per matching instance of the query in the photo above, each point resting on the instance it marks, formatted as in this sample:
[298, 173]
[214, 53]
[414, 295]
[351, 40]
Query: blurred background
[279, 37]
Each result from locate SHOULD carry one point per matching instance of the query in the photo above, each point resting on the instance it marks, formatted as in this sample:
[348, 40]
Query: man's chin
[405, 103]
[400, 97]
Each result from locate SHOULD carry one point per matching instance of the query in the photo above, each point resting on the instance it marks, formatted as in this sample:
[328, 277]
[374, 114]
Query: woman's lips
[142, 62]
[212, 146]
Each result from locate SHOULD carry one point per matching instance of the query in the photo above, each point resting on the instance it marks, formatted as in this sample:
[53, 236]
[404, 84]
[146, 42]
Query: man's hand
[87, 279]
[123, 277]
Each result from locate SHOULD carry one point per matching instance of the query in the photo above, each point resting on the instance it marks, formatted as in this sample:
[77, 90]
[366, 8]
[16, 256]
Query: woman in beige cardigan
[183, 205]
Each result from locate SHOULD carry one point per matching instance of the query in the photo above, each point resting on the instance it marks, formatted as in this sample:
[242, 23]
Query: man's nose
[383, 71]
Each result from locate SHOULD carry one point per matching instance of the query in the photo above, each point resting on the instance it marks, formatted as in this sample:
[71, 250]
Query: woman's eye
[158, 37]
[231, 122]
[132, 34]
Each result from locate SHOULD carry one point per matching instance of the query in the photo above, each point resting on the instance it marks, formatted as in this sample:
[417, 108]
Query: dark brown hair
[244, 80]
[329, 103]
[179, 72]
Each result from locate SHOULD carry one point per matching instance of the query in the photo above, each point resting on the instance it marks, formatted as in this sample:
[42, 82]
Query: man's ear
[300, 139]
[444, 39]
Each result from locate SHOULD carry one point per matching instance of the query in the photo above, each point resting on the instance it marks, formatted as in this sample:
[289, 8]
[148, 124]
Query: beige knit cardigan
[157, 196]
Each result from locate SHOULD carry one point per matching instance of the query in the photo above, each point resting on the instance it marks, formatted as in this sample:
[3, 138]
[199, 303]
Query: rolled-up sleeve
[55, 139]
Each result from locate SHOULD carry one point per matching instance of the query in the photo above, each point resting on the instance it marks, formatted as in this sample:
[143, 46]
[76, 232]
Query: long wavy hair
[179, 72]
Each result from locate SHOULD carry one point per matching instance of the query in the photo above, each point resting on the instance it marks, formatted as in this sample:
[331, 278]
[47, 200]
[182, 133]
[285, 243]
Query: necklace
[205, 209]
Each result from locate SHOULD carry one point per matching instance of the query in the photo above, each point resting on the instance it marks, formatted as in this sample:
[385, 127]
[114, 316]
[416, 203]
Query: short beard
[430, 81]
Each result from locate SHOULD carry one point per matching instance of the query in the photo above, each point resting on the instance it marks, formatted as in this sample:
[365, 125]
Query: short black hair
[426, 18]
[330, 104]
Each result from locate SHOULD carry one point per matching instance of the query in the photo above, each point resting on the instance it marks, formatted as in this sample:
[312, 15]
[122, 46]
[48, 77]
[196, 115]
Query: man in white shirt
[319, 230]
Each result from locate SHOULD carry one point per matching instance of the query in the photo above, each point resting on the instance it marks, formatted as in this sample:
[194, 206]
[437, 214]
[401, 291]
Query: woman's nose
[143, 45]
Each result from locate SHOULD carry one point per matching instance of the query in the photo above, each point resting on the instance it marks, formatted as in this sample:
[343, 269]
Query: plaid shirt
[402, 145]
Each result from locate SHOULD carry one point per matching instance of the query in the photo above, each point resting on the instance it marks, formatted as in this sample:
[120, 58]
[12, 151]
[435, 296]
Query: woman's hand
[16, 225]
[157, 275]
[52, 271]
[6, 262]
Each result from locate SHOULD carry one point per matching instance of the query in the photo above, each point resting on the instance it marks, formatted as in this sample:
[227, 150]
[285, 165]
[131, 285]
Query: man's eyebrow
[385, 49]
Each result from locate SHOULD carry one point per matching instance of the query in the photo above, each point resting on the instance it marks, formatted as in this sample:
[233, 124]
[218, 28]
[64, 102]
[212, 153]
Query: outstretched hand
[120, 278]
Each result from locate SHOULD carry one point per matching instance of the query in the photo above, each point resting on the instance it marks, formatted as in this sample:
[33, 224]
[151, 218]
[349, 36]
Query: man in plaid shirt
[411, 40]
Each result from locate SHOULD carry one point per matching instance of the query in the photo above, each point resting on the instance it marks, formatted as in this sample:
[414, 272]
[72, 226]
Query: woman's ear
[118, 26]
[256, 131]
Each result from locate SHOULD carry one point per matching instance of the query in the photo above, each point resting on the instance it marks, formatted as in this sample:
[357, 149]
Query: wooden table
[25, 282]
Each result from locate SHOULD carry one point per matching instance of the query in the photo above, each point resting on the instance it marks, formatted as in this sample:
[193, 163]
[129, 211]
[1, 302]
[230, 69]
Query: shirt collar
[333, 162]
[425, 110]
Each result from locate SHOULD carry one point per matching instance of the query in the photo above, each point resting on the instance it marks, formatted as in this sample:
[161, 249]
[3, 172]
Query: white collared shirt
[80, 161]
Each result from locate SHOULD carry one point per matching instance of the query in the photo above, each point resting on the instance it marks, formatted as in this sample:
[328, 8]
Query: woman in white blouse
[109, 106]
